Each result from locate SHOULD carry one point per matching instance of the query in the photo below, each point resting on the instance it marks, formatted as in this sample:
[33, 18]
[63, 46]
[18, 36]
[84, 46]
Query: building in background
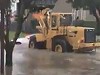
[62, 6]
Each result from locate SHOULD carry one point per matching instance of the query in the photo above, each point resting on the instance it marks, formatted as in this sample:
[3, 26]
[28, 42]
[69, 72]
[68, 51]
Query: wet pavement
[44, 62]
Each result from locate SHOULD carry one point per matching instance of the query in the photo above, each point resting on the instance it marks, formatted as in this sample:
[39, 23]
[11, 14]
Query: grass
[12, 34]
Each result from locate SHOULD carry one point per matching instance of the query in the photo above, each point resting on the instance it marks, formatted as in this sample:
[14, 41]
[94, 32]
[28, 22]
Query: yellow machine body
[51, 28]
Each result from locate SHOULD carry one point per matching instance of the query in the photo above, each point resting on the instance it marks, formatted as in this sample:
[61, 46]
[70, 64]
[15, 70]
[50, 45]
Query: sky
[13, 7]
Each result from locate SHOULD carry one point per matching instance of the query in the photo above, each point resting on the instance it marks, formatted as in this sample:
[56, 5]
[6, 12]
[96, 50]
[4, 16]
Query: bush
[90, 24]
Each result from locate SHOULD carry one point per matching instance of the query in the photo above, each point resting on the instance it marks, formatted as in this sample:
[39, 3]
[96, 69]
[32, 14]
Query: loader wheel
[40, 45]
[31, 44]
[59, 45]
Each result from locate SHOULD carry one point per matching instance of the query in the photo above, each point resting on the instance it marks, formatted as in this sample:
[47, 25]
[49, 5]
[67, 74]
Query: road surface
[44, 62]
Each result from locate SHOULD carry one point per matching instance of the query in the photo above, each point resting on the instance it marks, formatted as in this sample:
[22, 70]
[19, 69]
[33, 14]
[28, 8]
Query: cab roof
[61, 13]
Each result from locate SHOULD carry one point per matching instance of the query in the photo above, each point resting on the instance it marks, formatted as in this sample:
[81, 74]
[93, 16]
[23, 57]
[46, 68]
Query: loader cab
[54, 20]
[66, 19]
[61, 19]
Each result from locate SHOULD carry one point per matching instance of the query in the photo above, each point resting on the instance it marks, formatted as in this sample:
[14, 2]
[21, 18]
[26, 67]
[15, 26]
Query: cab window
[54, 18]
[65, 19]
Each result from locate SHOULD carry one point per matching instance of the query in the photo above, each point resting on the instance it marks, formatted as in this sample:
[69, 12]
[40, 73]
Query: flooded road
[44, 62]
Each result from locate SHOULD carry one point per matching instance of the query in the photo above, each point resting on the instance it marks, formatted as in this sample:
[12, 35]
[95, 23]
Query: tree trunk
[19, 22]
[96, 13]
[9, 46]
[98, 28]
[9, 57]
[2, 40]
[9, 52]
[98, 24]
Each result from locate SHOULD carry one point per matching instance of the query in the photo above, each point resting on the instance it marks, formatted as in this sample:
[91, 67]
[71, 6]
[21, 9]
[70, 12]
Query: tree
[92, 5]
[4, 4]
[35, 5]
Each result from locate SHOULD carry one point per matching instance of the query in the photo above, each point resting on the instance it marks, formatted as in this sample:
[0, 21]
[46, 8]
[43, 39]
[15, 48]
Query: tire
[34, 44]
[59, 44]
[31, 44]
[70, 48]
[40, 45]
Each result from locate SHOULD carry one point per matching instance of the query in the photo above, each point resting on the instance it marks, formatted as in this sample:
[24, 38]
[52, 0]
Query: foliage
[92, 5]
[35, 5]
[4, 3]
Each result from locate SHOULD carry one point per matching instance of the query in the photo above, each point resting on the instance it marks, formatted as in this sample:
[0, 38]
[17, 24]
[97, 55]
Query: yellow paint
[74, 35]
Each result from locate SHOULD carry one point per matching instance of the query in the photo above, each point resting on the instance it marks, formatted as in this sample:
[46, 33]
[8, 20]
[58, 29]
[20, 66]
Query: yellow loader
[57, 33]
